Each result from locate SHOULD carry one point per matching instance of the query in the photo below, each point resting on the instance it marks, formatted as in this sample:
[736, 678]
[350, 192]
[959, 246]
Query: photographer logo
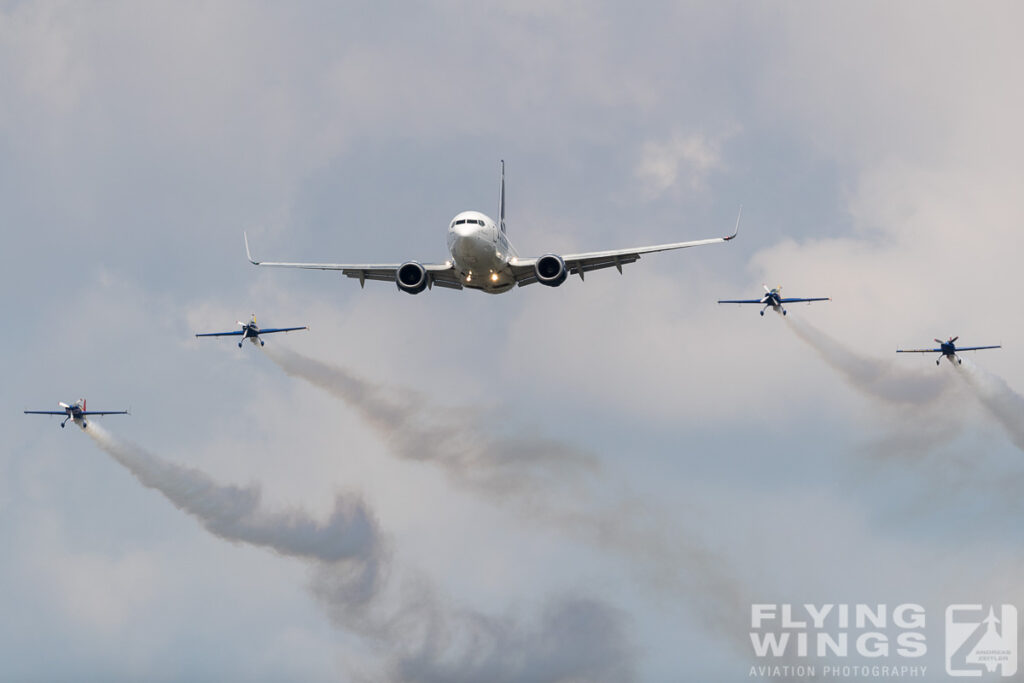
[981, 639]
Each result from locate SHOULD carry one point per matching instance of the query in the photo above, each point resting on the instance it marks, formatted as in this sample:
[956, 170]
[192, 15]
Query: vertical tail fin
[501, 199]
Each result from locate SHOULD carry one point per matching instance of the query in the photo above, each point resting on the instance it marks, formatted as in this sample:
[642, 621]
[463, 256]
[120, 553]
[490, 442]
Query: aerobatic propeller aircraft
[75, 412]
[773, 298]
[250, 331]
[481, 257]
[948, 350]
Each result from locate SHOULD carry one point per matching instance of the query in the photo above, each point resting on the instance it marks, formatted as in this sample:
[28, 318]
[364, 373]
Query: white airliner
[483, 258]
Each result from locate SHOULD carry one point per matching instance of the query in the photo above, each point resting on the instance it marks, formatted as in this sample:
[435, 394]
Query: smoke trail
[421, 638]
[548, 481]
[348, 543]
[573, 639]
[415, 430]
[1002, 402]
[235, 514]
[916, 418]
[876, 378]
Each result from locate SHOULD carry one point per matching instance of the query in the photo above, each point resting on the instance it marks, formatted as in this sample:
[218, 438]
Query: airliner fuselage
[481, 254]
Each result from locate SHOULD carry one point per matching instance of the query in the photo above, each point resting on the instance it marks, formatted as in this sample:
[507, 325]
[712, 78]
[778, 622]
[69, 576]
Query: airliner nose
[466, 244]
[460, 244]
[464, 229]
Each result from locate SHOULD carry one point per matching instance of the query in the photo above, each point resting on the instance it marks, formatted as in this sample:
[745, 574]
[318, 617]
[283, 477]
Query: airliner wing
[236, 333]
[578, 264]
[282, 329]
[817, 298]
[440, 274]
[741, 301]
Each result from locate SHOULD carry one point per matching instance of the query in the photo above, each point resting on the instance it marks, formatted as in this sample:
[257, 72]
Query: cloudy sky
[583, 483]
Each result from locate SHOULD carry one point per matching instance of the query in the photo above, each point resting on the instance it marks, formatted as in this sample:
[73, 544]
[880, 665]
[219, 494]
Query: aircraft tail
[501, 199]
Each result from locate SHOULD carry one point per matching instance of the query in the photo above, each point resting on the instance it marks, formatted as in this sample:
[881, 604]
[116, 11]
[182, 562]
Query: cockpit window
[459, 222]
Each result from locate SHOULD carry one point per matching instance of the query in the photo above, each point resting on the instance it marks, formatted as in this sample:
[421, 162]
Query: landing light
[494, 277]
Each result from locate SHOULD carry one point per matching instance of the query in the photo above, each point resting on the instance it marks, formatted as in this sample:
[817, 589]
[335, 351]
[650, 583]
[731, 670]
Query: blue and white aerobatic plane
[250, 331]
[773, 298]
[75, 412]
[948, 350]
[483, 258]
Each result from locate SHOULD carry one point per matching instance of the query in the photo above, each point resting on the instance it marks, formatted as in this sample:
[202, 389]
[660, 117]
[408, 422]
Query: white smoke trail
[546, 480]
[460, 440]
[549, 479]
[871, 376]
[235, 513]
[573, 639]
[915, 417]
[421, 638]
[1002, 402]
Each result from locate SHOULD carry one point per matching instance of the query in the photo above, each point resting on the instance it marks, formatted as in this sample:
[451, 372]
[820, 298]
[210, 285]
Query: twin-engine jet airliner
[773, 298]
[948, 350]
[75, 412]
[250, 331]
[483, 258]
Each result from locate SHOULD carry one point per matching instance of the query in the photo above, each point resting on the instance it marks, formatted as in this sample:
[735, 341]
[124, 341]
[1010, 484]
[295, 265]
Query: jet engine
[550, 270]
[411, 277]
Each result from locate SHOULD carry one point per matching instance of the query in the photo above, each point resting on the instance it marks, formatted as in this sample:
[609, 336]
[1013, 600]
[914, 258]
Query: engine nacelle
[550, 270]
[411, 277]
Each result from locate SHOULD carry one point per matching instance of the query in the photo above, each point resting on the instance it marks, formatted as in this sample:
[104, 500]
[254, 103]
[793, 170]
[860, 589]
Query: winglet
[247, 252]
[737, 230]
[501, 199]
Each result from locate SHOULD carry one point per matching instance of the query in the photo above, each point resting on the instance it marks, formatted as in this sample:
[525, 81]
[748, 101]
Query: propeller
[953, 339]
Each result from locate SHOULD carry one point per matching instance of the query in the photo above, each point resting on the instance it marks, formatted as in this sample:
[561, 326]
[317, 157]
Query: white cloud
[682, 159]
